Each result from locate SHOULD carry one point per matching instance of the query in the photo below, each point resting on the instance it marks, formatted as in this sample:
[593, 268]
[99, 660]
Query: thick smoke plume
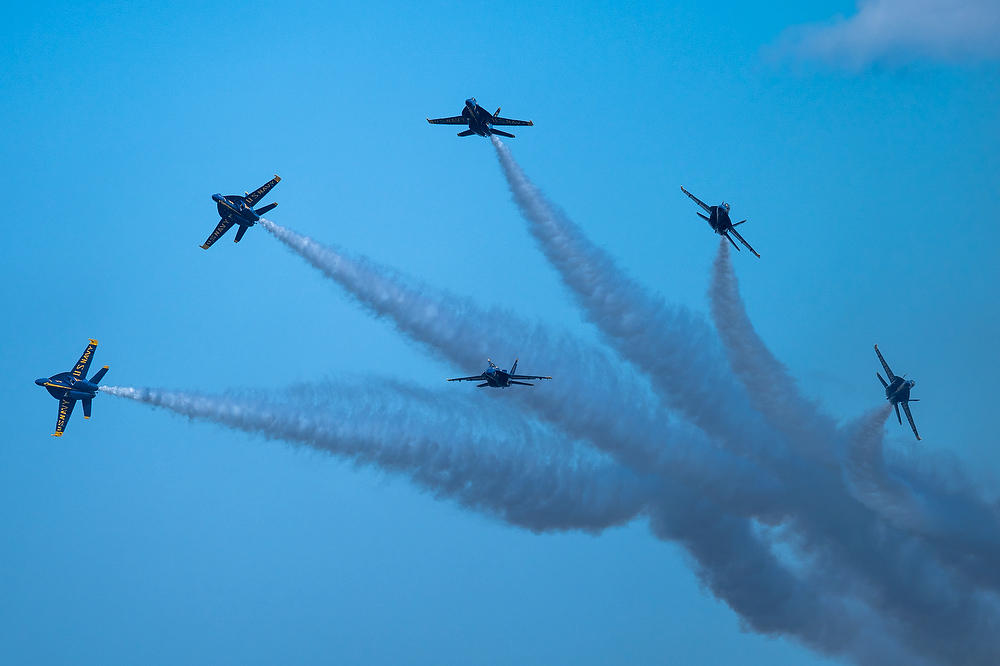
[701, 477]
[517, 471]
[805, 528]
[594, 393]
[933, 603]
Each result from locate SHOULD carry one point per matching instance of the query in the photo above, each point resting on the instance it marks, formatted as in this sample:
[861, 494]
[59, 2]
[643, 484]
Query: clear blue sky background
[142, 538]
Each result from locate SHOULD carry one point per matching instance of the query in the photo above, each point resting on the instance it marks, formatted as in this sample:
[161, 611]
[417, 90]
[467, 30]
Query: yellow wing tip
[277, 178]
[57, 434]
[204, 247]
[93, 341]
[87, 418]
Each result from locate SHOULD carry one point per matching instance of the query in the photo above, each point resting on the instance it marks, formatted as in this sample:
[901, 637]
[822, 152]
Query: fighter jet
[495, 377]
[479, 120]
[68, 387]
[718, 219]
[235, 209]
[897, 392]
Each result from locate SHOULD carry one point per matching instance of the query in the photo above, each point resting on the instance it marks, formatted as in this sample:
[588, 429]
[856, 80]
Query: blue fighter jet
[68, 387]
[495, 377]
[234, 209]
[718, 219]
[479, 120]
[897, 392]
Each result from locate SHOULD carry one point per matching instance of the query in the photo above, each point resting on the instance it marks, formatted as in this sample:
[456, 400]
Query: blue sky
[140, 537]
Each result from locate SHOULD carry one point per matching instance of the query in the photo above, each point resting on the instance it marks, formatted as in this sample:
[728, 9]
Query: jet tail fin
[513, 368]
[87, 402]
[264, 209]
[703, 216]
[239, 234]
[502, 133]
[99, 375]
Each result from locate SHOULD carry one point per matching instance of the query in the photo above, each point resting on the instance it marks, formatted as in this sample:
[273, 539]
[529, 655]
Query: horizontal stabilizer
[884, 383]
[99, 375]
[732, 241]
[264, 209]
[482, 385]
[239, 234]
[87, 402]
[466, 133]
[703, 216]
[739, 223]
[521, 383]
[502, 133]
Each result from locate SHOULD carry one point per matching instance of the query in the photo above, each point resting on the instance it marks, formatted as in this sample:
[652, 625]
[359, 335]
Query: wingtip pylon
[93, 341]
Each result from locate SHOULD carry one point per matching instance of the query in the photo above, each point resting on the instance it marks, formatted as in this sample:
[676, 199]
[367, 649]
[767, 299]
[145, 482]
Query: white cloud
[898, 31]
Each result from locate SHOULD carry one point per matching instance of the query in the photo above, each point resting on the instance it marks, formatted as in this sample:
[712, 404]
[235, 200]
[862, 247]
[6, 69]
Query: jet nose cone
[41, 381]
[216, 197]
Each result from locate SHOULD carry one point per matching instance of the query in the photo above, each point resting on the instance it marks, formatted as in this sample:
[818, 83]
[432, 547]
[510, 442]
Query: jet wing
[509, 121]
[79, 370]
[742, 240]
[909, 417]
[66, 406]
[219, 232]
[467, 379]
[454, 120]
[262, 191]
[528, 377]
[884, 364]
[696, 200]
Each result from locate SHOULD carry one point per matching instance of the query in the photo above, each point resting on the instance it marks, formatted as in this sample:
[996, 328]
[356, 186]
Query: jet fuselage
[719, 219]
[496, 377]
[64, 385]
[235, 208]
[478, 117]
[898, 390]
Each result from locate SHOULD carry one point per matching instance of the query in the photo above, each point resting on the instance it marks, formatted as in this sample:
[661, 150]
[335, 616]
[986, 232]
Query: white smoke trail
[511, 471]
[523, 479]
[674, 347]
[596, 400]
[855, 547]
[772, 391]
[892, 496]
[698, 476]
